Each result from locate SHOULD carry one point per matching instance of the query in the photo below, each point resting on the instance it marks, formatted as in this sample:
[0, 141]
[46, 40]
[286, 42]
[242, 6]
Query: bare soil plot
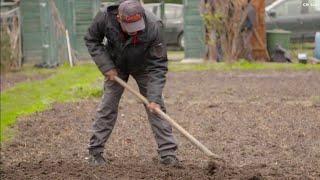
[266, 124]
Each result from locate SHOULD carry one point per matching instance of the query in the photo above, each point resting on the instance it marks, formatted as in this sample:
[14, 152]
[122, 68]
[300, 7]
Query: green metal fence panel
[193, 30]
[31, 30]
[67, 13]
[85, 11]
[38, 34]
[49, 38]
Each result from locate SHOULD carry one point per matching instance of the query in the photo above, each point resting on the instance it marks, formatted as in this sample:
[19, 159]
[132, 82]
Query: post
[162, 9]
[20, 39]
[69, 48]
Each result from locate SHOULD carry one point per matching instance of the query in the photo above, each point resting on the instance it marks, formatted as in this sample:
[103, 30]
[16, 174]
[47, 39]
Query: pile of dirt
[263, 123]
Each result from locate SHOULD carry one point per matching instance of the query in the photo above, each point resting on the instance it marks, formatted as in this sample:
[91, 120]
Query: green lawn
[28, 97]
[82, 81]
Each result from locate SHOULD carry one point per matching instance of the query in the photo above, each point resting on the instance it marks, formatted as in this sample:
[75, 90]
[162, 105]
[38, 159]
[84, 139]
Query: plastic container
[317, 46]
[280, 37]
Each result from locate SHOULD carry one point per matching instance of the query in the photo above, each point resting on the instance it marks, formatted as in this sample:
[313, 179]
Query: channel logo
[310, 4]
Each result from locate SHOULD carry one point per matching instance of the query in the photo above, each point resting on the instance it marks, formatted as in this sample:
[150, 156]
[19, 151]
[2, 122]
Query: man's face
[125, 31]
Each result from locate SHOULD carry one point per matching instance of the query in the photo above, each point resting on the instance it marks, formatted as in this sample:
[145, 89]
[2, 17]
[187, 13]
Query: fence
[44, 23]
[11, 49]
[54, 39]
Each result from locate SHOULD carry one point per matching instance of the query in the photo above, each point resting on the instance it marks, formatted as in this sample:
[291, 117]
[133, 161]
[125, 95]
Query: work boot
[170, 160]
[97, 159]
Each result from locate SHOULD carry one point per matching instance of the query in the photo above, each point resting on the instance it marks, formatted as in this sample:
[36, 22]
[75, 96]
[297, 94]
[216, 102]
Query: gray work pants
[107, 112]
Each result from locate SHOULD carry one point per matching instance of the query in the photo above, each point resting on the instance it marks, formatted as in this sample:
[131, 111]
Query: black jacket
[146, 53]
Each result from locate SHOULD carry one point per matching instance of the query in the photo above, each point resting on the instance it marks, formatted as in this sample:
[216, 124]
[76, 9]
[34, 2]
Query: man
[248, 21]
[134, 46]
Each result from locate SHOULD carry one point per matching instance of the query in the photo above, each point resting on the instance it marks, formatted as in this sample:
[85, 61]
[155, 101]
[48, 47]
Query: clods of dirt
[213, 167]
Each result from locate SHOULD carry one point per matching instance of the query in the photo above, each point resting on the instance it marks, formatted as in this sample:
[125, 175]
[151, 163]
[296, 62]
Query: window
[149, 8]
[179, 12]
[173, 11]
[153, 9]
[170, 12]
[314, 6]
[289, 8]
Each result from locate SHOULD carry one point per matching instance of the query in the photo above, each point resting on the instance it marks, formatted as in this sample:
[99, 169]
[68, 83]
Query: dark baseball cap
[131, 15]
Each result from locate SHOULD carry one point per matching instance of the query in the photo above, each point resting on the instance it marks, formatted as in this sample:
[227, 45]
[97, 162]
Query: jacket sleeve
[93, 40]
[157, 65]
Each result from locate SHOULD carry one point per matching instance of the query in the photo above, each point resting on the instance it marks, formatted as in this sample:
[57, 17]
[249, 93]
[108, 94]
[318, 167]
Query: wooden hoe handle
[170, 120]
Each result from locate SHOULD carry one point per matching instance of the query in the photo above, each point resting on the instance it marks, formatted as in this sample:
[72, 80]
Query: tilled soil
[265, 124]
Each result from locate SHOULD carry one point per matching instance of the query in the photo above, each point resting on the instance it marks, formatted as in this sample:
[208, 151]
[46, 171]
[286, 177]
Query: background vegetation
[5, 49]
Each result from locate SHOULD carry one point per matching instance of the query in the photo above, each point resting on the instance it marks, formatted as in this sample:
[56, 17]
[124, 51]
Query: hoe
[213, 157]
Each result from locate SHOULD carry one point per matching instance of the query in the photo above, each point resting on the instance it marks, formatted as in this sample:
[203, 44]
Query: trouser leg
[162, 130]
[106, 115]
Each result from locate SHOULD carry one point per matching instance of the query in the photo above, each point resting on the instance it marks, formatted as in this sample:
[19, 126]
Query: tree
[222, 22]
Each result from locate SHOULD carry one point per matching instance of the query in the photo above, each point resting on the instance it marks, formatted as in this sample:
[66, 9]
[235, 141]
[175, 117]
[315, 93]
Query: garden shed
[39, 41]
